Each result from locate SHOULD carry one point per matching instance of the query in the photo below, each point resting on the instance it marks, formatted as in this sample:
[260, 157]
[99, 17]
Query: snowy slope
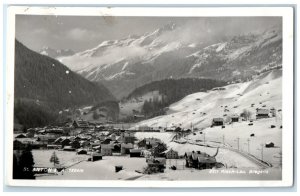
[199, 109]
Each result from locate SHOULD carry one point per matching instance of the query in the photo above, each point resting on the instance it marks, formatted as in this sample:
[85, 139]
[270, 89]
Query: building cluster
[261, 113]
[84, 138]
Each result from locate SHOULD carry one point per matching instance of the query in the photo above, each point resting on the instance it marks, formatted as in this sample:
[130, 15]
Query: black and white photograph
[156, 97]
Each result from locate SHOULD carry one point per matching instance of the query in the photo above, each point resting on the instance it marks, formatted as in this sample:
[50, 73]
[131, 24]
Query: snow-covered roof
[262, 111]
[106, 146]
[129, 145]
[135, 150]
[169, 150]
[218, 119]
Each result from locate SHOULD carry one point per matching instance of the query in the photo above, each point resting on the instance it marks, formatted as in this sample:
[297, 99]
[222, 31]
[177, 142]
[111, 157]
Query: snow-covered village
[153, 102]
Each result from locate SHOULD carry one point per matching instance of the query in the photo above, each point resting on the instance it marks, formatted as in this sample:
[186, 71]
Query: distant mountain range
[122, 65]
[46, 81]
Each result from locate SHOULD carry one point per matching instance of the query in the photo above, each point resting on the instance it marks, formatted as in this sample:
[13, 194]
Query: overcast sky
[84, 32]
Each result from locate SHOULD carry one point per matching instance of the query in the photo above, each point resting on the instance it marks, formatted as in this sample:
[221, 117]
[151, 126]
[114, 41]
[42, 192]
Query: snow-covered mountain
[137, 59]
[56, 53]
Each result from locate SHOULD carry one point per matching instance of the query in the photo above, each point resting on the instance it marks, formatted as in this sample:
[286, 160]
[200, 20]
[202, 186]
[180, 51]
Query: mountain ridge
[124, 63]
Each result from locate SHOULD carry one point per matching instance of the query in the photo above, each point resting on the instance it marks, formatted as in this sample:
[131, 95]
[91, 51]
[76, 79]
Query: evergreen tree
[26, 164]
[54, 159]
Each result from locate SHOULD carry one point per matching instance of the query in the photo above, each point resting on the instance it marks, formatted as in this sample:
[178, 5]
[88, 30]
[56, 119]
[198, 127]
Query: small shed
[234, 118]
[218, 121]
[81, 151]
[96, 156]
[269, 145]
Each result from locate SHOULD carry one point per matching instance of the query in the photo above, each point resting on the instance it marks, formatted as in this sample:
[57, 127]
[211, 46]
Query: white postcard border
[287, 89]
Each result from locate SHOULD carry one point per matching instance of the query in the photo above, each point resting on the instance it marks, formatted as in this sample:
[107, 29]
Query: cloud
[77, 34]
[216, 28]
[80, 34]
[111, 55]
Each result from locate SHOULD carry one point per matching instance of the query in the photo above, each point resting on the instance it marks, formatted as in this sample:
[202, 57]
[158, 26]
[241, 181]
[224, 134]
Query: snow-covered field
[42, 158]
[165, 137]
[241, 132]
[197, 110]
[105, 170]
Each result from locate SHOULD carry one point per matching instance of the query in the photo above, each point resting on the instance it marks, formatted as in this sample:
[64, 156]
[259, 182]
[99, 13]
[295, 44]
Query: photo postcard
[149, 97]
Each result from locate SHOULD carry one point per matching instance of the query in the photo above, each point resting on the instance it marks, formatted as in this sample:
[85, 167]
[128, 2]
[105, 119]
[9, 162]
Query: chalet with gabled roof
[262, 113]
[217, 122]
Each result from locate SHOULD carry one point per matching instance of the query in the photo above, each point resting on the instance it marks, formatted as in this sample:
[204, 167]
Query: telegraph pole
[248, 141]
[238, 143]
[262, 152]
[223, 138]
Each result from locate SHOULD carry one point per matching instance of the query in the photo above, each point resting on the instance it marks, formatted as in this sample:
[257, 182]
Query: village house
[55, 131]
[106, 150]
[62, 141]
[135, 152]
[262, 113]
[217, 122]
[160, 163]
[84, 143]
[146, 153]
[106, 141]
[159, 149]
[80, 124]
[200, 160]
[148, 143]
[46, 138]
[127, 137]
[125, 148]
[234, 118]
[75, 144]
[171, 154]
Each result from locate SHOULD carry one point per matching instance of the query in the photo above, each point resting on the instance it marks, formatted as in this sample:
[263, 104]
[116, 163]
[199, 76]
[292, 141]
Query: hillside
[151, 99]
[122, 65]
[200, 108]
[43, 79]
[51, 86]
